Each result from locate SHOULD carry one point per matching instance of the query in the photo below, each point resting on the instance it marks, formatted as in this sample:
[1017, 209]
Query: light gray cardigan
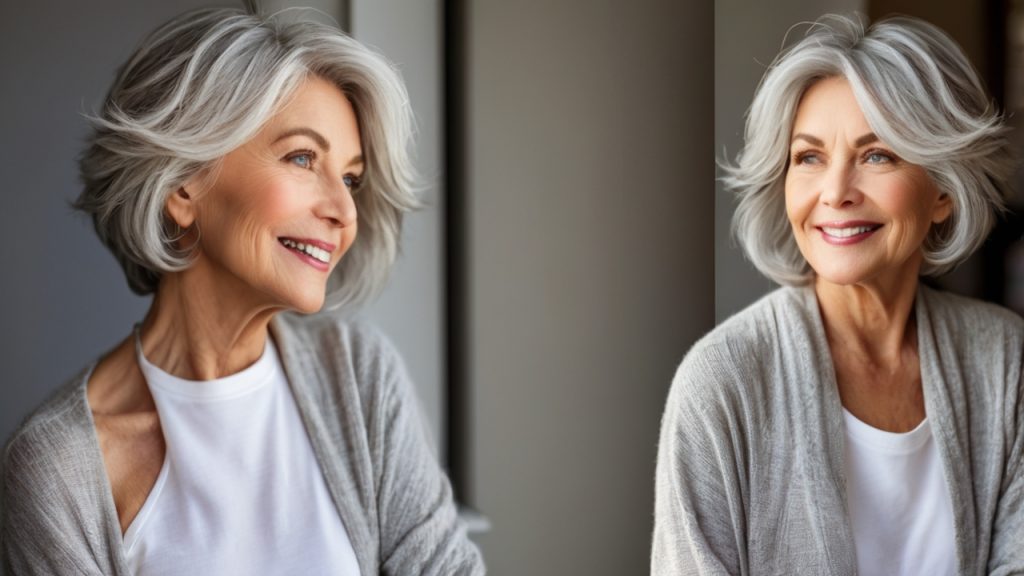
[750, 470]
[362, 418]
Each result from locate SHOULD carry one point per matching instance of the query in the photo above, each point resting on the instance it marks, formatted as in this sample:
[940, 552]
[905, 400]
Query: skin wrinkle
[246, 276]
[840, 171]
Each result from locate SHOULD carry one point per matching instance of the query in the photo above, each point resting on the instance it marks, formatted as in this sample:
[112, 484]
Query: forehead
[829, 105]
[322, 106]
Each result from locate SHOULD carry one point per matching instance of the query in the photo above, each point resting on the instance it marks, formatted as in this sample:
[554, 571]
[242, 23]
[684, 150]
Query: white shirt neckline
[240, 383]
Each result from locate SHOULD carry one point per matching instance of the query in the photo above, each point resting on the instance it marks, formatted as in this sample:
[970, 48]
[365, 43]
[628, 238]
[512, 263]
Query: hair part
[919, 94]
[204, 84]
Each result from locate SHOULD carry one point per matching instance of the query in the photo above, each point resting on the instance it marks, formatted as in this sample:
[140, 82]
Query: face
[859, 212]
[279, 214]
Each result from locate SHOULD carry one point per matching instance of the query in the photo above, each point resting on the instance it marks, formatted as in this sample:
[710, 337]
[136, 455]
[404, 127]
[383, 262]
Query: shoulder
[44, 461]
[732, 364]
[343, 361]
[982, 323]
[743, 343]
[341, 342]
[980, 341]
[60, 423]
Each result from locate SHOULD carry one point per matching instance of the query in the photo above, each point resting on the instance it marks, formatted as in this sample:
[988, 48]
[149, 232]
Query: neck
[875, 319]
[198, 329]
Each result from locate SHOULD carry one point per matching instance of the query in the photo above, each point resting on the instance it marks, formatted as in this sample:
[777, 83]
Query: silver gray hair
[204, 84]
[918, 93]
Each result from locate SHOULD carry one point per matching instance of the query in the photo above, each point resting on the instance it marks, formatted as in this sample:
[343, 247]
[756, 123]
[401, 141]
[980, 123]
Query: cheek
[244, 220]
[910, 202]
[797, 205]
[273, 204]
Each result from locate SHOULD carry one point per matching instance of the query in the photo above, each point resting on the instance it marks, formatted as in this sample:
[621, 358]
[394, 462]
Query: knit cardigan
[363, 422]
[750, 464]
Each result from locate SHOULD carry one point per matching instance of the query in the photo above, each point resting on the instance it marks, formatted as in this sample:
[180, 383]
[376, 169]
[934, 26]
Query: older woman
[855, 420]
[232, 165]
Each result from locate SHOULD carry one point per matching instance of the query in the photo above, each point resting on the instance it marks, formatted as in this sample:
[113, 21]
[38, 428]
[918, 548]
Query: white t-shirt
[240, 490]
[900, 506]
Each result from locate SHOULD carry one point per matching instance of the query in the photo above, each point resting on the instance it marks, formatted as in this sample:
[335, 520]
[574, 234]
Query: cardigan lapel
[304, 372]
[107, 526]
[943, 390]
[823, 412]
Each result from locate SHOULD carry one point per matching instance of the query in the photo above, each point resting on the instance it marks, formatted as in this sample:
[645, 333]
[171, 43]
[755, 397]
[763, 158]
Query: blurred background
[545, 296]
[748, 35]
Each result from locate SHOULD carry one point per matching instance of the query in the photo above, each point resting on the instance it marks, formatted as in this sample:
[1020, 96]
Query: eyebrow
[814, 141]
[303, 131]
[862, 141]
[865, 140]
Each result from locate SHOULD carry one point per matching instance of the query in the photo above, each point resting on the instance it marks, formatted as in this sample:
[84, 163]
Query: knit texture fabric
[750, 473]
[363, 421]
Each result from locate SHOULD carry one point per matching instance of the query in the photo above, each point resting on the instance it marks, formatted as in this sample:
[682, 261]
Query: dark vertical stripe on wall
[456, 450]
[1008, 230]
[345, 14]
[996, 18]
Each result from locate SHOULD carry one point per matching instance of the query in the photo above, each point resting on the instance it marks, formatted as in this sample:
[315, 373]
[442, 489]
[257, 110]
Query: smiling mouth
[318, 254]
[849, 231]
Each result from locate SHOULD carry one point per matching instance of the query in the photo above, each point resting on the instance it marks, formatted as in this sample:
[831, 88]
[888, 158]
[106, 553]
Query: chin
[310, 307]
[844, 276]
[305, 303]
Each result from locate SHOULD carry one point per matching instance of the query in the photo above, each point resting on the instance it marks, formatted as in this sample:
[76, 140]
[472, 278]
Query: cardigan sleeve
[698, 513]
[1007, 552]
[420, 531]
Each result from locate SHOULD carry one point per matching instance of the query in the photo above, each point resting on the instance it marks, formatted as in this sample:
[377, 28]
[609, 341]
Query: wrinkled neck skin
[873, 318]
[202, 327]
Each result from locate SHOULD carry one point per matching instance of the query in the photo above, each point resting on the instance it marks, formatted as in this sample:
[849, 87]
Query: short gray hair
[204, 84]
[918, 93]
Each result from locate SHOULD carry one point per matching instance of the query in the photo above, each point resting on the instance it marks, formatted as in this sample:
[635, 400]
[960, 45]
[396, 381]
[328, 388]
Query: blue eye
[806, 158]
[877, 157]
[351, 182]
[302, 159]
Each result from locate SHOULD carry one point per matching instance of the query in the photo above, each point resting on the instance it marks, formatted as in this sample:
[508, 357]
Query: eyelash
[300, 154]
[355, 184]
[889, 156]
[353, 181]
[801, 157]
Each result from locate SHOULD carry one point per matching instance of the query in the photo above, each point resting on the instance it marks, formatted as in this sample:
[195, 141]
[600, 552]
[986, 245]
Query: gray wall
[63, 298]
[408, 32]
[590, 175]
[748, 35]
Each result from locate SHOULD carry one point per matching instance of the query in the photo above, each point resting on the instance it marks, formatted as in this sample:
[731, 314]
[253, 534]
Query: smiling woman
[857, 210]
[234, 161]
[279, 213]
[855, 420]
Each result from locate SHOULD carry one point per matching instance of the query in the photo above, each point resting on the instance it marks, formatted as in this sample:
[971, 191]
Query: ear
[943, 208]
[181, 205]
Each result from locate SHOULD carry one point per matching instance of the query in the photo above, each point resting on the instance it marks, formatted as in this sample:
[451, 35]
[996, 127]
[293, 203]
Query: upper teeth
[318, 253]
[847, 232]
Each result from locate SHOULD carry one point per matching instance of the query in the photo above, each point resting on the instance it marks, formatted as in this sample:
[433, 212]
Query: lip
[848, 240]
[327, 246]
[313, 241]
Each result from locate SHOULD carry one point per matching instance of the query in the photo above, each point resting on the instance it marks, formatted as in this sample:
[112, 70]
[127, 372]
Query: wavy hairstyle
[204, 84]
[918, 93]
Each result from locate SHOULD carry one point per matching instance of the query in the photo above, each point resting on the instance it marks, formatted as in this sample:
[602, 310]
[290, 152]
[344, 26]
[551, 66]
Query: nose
[337, 206]
[839, 188]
